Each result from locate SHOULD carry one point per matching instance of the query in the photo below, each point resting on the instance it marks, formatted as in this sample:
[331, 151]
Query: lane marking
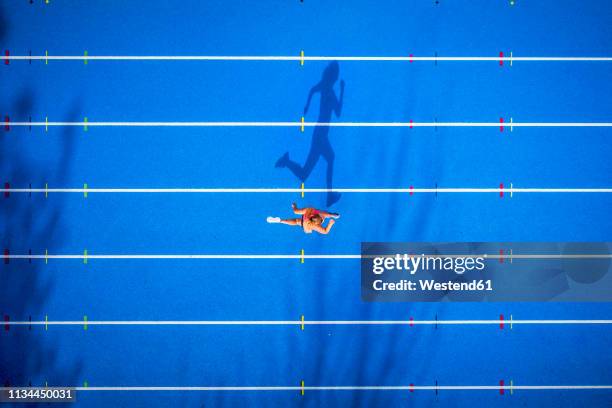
[302, 322]
[301, 124]
[301, 256]
[455, 190]
[301, 58]
[342, 388]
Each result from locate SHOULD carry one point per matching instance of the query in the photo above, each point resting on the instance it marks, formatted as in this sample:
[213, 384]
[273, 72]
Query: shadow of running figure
[320, 145]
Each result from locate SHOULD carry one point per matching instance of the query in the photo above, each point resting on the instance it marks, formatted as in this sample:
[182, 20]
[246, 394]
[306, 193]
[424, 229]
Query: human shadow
[320, 145]
[29, 224]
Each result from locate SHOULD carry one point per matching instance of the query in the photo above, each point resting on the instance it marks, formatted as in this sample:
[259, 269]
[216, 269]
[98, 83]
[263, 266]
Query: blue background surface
[235, 157]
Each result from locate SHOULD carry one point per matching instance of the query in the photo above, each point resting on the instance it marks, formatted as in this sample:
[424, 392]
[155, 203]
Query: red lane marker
[411, 58]
[6, 60]
[6, 256]
[501, 126]
[7, 193]
[7, 123]
[410, 123]
[501, 61]
[411, 387]
[6, 320]
[501, 256]
[501, 190]
[411, 320]
[411, 190]
[501, 322]
[501, 385]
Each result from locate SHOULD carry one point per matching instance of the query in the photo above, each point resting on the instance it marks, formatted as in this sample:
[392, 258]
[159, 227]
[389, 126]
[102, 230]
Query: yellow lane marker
[85, 55]
[85, 126]
[302, 257]
[302, 319]
[85, 190]
[302, 126]
[85, 323]
[302, 386]
[302, 58]
[85, 257]
[302, 188]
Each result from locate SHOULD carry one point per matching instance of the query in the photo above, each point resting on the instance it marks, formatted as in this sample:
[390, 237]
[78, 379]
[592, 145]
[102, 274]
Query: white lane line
[297, 58]
[340, 388]
[300, 124]
[494, 257]
[298, 322]
[515, 190]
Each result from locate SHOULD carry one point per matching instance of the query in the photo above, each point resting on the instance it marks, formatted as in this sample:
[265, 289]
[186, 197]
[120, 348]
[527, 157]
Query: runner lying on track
[312, 219]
